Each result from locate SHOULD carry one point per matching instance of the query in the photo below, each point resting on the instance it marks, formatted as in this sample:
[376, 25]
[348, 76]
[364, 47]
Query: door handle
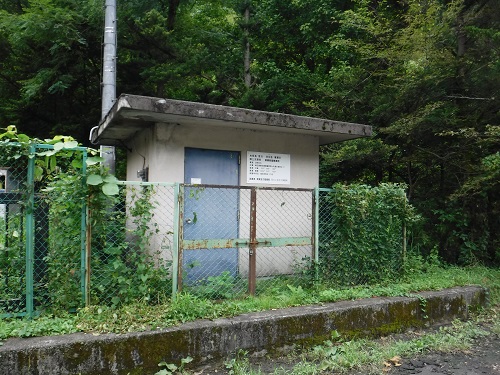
[189, 221]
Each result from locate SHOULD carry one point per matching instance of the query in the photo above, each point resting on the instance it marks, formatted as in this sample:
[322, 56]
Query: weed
[45, 325]
[171, 368]
[422, 303]
[238, 365]
[361, 234]
[295, 296]
[142, 316]
[224, 286]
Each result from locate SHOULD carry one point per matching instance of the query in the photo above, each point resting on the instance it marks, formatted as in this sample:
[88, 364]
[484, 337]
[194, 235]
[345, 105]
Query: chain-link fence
[216, 242]
[33, 232]
[238, 240]
[63, 247]
[132, 244]
[12, 238]
[361, 235]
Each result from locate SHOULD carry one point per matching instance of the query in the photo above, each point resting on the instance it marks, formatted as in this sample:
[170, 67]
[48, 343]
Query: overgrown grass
[372, 355]
[141, 316]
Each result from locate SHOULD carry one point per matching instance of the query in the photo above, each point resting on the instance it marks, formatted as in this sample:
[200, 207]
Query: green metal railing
[28, 209]
[30, 231]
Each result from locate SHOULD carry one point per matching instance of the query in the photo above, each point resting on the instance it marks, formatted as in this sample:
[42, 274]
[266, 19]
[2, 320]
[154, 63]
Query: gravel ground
[482, 358]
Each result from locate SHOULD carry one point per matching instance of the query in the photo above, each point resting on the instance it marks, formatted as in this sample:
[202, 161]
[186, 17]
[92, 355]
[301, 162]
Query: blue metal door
[210, 213]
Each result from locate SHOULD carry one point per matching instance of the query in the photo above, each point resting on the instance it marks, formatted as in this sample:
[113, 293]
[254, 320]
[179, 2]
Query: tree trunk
[173, 5]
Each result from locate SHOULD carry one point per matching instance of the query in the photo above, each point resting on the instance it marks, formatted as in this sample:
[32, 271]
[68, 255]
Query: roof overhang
[132, 113]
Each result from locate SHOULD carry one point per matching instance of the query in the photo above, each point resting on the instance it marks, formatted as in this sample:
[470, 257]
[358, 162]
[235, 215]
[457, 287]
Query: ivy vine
[63, 152]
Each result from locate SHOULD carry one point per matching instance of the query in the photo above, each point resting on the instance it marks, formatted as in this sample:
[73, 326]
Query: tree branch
[217, 84]
[468, 97]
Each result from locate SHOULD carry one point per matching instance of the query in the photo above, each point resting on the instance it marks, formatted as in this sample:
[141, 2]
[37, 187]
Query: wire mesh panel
[284, 233]
[12, 236]
[210, 225]
[132, 245]
[59, 214]
[360, 235]
[41, 252]
[40, 228]
[244, 239]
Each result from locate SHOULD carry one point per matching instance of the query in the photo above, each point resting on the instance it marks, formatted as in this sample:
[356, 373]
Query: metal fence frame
[253, 242]
[30, 201]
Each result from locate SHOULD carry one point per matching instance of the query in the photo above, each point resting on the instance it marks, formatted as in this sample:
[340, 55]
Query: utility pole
[109, 76]
[108, 94]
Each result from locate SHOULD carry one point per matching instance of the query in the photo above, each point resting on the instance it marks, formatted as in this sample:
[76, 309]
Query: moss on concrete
[140, 353]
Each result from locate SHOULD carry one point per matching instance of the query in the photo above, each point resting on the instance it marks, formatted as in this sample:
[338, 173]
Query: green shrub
[361, 235]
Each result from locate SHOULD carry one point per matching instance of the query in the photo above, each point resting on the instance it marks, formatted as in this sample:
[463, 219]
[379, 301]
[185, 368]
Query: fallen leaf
[396, 360]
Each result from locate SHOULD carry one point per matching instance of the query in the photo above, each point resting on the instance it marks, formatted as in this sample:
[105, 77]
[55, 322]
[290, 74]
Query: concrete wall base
[208, 340]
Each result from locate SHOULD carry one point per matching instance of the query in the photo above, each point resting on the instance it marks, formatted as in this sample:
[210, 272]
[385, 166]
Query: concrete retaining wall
[140, 353]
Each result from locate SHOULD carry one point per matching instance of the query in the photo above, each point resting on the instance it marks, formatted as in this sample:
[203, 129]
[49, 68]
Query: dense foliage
[74, 201]
[124, 267]
[425, 74]
[362, 234]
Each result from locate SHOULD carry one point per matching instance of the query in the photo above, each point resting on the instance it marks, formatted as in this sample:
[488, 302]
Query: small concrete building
[157, 132]
[199, 144]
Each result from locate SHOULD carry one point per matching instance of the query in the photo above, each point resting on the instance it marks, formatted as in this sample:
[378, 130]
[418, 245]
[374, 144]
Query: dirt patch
[482, 358]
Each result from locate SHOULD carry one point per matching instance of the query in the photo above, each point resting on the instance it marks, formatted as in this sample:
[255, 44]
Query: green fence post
[83, 234]
[30, 230]
[175, 253]
[404, 232]
[316, 232]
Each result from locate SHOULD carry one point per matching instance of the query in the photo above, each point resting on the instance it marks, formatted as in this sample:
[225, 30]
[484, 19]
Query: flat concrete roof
[131, 113]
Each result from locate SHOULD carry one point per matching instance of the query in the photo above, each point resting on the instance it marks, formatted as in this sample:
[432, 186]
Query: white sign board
[268, 168]
[195, 181]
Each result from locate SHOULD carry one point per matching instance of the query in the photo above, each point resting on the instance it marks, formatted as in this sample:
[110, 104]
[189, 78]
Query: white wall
[161, 148]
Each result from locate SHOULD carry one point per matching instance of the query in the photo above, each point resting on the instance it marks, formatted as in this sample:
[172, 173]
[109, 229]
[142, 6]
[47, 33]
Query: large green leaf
[110, 189]
[58, 146]
[38, 173]
[94, 160]
[94, 179]
[77, 163]
[110, 179]
[70, 144]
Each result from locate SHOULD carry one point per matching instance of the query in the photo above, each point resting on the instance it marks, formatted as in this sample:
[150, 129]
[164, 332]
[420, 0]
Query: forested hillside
[424, 73]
